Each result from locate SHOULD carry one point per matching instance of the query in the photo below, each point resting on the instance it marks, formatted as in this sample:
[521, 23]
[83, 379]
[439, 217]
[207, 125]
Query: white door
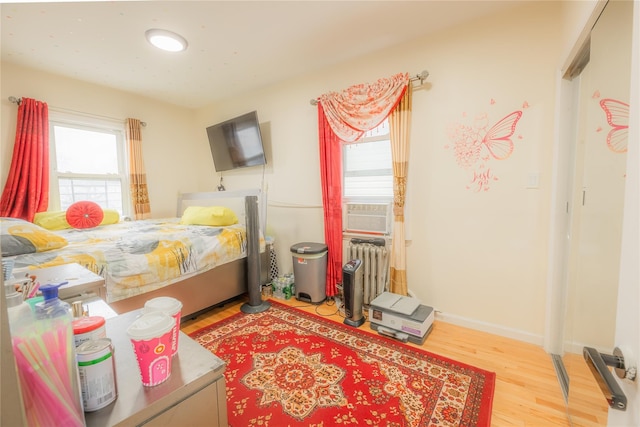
[628, 318]
[608, 308]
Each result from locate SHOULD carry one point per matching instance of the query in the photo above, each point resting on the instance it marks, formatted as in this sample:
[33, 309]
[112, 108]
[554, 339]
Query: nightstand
[82, 282]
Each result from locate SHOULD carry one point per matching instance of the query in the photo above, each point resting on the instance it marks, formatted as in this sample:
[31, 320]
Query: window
[88, 163]
[367, 167]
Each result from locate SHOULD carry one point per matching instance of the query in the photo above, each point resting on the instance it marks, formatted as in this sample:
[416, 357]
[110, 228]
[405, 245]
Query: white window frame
[371, 198]
[380, 199]
[86, 122]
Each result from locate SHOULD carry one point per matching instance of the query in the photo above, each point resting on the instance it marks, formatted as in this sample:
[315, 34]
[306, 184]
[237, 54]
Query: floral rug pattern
[287, 367]
[297, 381]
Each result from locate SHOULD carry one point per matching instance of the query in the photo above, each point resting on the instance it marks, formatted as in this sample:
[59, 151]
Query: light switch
[533, 180]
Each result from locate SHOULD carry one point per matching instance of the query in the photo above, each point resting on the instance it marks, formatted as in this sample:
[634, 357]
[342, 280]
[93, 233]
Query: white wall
[168, 138]
[473, 255]
[479, 257]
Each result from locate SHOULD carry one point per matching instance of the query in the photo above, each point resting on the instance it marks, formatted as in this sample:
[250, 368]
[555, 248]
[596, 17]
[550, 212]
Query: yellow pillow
[111, 216]
[208, 215]
[58, 220]
[52, 220]
[22, 237]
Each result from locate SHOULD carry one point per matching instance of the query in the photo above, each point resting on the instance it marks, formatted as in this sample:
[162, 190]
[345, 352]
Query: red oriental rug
[287, 367]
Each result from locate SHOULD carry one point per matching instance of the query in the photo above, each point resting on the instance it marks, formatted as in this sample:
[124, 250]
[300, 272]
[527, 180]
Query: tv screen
[237, 143]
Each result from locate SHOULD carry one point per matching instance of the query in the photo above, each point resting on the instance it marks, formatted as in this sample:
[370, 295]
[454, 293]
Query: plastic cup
[171, 307]
[151, 338]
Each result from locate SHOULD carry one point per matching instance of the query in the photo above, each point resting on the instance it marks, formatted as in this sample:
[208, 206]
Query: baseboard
[491, 328]
[577, 347]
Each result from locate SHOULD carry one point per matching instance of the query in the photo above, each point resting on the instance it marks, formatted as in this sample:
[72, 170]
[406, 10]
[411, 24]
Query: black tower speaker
[255, 304]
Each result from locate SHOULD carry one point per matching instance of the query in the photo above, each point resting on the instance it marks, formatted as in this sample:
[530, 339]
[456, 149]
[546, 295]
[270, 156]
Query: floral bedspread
[136, 257]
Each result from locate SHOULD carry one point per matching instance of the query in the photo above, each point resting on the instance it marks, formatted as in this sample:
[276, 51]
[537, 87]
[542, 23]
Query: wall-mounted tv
[237, 143]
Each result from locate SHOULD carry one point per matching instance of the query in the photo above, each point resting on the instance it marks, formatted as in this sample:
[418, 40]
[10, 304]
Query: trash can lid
[308, 248]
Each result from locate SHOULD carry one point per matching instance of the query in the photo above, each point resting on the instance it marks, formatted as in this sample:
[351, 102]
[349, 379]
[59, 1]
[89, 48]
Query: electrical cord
[331, 302]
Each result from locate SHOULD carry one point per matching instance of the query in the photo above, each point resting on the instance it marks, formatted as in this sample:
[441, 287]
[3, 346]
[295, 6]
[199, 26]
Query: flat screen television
[237, 143]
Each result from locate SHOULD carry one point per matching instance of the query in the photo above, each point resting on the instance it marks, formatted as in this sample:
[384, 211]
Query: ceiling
[234, 46]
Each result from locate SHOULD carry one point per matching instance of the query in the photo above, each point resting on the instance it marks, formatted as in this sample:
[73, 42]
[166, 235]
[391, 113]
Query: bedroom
[501, 236]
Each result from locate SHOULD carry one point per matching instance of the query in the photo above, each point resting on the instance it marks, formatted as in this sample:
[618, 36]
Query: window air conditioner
[370, 218]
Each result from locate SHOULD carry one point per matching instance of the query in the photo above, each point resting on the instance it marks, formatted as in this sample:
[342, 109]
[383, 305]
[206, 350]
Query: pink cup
[171, 307]
[151, 337]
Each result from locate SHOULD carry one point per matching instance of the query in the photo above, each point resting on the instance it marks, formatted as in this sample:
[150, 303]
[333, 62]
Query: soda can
[97, 369]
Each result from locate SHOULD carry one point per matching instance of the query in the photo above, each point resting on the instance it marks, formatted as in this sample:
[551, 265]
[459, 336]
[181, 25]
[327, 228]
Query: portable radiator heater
[352, 287]
[375, 265]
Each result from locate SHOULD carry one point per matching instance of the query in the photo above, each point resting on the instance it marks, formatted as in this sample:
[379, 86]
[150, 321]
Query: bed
[200, 265]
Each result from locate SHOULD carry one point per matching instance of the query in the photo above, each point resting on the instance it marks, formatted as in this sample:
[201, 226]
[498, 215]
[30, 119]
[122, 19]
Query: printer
[401, 317]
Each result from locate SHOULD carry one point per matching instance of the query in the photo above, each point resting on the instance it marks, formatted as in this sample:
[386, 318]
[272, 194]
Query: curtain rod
[17, 101]
[422, 77]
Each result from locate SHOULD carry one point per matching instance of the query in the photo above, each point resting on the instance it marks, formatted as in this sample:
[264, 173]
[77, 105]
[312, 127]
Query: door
[628, 320]
[601, 231]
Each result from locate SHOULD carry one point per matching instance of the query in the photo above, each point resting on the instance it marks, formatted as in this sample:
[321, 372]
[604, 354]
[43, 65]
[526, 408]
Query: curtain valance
[362, 107]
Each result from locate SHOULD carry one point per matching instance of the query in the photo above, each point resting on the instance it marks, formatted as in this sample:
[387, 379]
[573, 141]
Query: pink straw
[47, 383]
[44, 397]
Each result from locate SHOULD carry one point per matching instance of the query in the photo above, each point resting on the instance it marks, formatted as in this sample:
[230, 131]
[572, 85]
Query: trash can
[310, 271]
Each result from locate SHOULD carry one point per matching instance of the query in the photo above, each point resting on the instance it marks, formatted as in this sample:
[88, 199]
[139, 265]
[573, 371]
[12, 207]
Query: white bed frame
[223, 283]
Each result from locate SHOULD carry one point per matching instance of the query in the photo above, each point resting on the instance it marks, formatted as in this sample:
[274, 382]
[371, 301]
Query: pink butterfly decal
[596, 94]
[618, 118]
[498, 138]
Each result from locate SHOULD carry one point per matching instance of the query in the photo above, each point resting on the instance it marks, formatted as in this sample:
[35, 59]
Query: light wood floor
[527, 392]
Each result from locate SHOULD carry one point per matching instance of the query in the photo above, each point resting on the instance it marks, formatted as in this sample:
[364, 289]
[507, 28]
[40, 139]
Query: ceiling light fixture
[166, 40]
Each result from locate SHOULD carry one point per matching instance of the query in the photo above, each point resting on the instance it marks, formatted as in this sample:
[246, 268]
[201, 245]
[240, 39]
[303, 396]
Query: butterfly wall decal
[617, 113]
[475, 144]
[498, 138]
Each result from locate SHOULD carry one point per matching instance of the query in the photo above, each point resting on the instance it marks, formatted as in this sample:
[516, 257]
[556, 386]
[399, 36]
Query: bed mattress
[136, 257]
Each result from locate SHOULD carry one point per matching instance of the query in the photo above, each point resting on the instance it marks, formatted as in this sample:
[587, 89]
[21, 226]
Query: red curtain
[26, 191]
[331, 176]
[344, 117]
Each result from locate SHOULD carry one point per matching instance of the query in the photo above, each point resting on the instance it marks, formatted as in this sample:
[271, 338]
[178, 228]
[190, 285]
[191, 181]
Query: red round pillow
[84, 214]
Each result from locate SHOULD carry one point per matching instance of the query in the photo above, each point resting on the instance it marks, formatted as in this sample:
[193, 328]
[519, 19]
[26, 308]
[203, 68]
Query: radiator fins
[375, 264]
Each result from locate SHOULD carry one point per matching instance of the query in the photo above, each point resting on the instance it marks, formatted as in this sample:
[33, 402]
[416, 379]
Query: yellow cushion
[208, 215]
[22, 237]
[58, 220]
[52, 220]
[111, 216]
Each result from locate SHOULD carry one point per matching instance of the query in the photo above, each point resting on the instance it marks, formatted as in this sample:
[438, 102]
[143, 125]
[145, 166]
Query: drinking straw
[59, 360]
[65, 338]
[43, 367]
[50, 395]
[33, 416]
[53, 339]
[47, 352]
[43, 357]
[33, 394]
[49, 402]
[66, 357]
